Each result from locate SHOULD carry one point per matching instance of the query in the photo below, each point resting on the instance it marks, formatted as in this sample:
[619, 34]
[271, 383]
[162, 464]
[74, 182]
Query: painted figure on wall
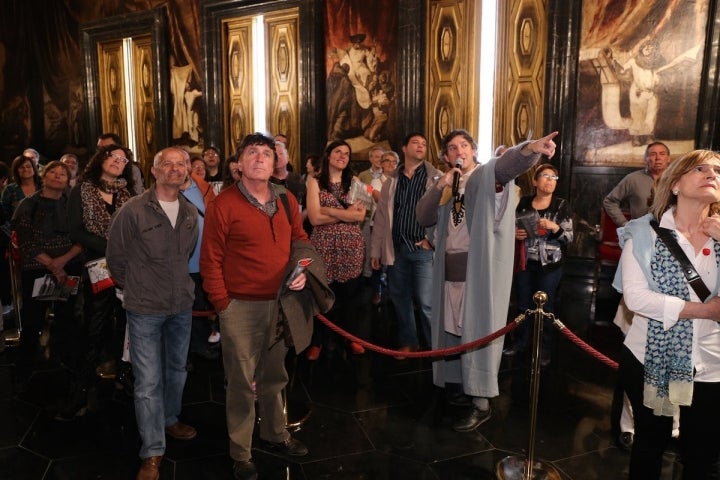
[185, 126]
[55, 98]
[639, 78]
[360, 72]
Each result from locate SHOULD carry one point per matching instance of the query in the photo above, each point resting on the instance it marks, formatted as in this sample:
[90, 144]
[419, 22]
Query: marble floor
[362, 416]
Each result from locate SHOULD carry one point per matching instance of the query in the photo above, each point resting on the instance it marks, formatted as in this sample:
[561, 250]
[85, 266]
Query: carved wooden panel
[282, 47]
[145, 92]
[112, 87]
[521, 71]
[452, 63]
[238, 108]
[520, 74]
[105, 84]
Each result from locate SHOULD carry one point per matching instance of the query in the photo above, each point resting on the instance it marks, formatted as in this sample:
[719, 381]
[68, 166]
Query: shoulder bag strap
[200, 212]
[692, 276]
[281, 192]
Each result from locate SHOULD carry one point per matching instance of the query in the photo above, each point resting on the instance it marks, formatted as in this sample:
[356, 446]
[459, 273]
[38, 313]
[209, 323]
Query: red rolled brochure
[302, 264]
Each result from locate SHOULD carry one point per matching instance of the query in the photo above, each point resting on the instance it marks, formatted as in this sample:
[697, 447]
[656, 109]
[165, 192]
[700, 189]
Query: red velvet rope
[481, 342]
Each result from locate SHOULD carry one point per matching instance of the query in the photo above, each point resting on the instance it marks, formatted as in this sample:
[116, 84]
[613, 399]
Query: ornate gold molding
[145, 92]
[452, 60]
[112, 87]
[283, 107]
[520, 74]
[453, 82]
[238, 108]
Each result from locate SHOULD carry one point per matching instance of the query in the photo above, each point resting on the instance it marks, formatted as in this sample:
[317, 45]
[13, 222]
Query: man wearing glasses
[214, 167]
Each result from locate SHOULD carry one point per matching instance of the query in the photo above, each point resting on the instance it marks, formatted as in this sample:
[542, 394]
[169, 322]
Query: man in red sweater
[245, 252]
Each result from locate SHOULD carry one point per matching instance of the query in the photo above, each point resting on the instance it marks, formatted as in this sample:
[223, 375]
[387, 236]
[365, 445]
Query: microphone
[456, 177]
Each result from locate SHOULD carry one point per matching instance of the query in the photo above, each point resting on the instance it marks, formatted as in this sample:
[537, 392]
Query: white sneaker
[214, 337]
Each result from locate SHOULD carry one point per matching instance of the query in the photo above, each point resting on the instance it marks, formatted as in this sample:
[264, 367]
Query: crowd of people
[155, 268]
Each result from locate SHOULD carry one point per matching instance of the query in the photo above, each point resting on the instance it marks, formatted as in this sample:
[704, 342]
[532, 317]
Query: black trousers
[699, 426]
[104, 321]
[64, 326]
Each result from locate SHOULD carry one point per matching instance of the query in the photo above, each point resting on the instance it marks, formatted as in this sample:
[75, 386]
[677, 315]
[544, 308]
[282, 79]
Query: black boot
[125, 379]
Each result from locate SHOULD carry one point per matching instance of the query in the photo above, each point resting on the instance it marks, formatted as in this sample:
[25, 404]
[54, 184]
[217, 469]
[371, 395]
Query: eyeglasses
[387, 160]
[707, 169]
[119, 158]
[549, 176]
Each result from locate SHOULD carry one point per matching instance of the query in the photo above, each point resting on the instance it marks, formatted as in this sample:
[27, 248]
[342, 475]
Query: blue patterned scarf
[668, 353]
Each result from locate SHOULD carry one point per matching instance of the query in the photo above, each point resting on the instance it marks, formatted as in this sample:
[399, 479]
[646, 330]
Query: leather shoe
[125, 380]
[513, 350]
[625, 441]
[180, 431]
[244, 470]
[107, 370]
[150, 469]
[472, 420]
[291, 446]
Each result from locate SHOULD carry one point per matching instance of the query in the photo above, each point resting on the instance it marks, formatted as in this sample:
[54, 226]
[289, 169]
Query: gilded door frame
[214, 16]
[93, 34]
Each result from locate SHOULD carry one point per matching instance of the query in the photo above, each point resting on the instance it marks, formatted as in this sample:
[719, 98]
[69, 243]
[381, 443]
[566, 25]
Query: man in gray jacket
[149, 244]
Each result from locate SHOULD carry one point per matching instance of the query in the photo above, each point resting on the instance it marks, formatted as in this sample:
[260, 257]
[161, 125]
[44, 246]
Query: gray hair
[159, 155]
[391, 153]
[376, 147]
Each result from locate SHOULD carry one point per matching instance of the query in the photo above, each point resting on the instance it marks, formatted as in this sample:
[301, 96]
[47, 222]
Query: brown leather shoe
[180, 431]
[150, 469]
[107, 370]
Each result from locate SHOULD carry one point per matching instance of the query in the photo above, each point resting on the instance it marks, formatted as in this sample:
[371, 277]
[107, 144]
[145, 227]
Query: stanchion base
[12, 337]
[513, 468]
[296, 414]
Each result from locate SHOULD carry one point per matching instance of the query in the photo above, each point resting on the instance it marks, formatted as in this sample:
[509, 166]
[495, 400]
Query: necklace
[458, 209]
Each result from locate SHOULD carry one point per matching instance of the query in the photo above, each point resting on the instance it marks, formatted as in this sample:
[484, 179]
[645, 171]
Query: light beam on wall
[127, 48]
[259, 65]
[488, 45]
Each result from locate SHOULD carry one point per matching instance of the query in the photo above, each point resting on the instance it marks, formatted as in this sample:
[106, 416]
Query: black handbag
[692, 276]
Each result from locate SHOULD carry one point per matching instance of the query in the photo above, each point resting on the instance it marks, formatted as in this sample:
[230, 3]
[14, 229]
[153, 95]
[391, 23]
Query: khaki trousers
[251, 352]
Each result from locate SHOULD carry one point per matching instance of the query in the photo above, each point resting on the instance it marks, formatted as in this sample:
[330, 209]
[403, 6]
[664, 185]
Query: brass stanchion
[295, 415]
[12, 336]
[514, 467]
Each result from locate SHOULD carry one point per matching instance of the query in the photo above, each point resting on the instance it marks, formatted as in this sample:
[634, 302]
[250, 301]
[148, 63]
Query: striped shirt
[405, 229]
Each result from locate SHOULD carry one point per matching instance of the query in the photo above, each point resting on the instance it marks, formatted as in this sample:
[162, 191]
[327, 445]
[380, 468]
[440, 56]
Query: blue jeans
[410, 278]
[158, 352]
[528, 282]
